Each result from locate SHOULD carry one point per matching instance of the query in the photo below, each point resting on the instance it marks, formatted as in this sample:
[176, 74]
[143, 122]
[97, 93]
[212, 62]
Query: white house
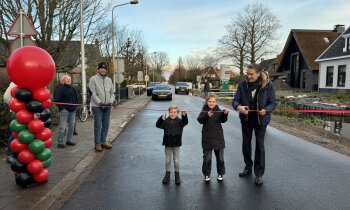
[334, 65]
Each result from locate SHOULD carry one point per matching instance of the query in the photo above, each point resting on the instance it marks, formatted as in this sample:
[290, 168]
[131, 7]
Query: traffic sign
[120, 65]
[139, 76]
[17, 43]
[146, 78]
[22, 26]
[120, 78]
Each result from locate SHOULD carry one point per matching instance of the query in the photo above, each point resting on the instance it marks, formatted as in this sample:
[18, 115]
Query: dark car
[162, 92]
[181, 87]
[150, 87]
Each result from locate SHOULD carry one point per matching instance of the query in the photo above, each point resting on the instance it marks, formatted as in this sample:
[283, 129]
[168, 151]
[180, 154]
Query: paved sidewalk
[68, 165]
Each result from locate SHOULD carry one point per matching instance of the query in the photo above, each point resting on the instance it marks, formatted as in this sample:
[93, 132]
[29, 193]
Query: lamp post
[83, 73]
[113, 45]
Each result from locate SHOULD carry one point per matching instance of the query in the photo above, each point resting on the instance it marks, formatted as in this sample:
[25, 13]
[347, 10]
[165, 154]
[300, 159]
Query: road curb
[71, 181]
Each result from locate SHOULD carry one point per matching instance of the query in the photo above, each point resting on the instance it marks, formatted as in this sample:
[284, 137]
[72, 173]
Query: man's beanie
[102, 65]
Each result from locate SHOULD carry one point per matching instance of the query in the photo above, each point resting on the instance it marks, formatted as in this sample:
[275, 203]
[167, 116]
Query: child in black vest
[172, 127]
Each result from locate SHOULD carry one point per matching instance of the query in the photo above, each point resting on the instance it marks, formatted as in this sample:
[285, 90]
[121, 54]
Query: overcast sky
[193, 27]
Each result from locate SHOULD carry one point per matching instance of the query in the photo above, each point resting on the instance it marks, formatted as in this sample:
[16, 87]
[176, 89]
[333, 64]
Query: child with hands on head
[172, 140]
[211, 117]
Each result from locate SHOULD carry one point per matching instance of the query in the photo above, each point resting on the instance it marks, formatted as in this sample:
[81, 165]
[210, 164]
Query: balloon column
[31, 69]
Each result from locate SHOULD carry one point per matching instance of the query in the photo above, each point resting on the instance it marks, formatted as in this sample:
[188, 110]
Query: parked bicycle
[85, 110]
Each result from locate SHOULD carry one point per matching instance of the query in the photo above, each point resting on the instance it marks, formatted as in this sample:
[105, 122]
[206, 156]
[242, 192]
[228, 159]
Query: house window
[329, 76]
[341, 75]
[348, 43]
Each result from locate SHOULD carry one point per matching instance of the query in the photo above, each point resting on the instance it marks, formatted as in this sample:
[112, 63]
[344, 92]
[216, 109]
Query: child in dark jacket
[212, 136]
[172, 127]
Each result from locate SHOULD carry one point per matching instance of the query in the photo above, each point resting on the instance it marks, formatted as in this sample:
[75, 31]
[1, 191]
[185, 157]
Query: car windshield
[161, 87]
[181, 84]
[152, 84]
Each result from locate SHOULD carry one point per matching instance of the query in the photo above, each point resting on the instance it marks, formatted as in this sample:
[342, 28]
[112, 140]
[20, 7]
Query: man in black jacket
[254, 100]
[65, 93]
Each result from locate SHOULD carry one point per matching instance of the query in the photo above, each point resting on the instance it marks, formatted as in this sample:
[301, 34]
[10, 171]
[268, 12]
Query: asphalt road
[298, 175]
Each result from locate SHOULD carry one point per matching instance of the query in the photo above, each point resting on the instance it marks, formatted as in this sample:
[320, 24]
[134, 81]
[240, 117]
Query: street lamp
[113, 48]
[83, 73]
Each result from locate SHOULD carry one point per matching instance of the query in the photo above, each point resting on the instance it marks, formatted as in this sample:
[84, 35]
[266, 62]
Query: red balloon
[16, 105]
[26, 156]
[15, 135]
[13, 91]
[41, 94]
[17, 146]
[35, 126]
[24, 117]
[35, 167]
[46, 104]
[44, 135]
[48, 143]
[30, 67]
[42, 176]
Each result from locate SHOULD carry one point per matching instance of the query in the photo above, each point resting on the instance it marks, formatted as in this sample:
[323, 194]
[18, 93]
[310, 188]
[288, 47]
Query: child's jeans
[172, 153]
[220, 164]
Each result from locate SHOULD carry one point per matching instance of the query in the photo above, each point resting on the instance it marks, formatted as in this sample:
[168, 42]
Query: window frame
[328, 77]
[340, 74]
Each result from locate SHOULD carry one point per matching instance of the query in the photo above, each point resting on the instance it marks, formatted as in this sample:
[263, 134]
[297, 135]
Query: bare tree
[194, 67]
[159, 60]
[209, 61]
[259, 25]
[233, 45]
[193, 63]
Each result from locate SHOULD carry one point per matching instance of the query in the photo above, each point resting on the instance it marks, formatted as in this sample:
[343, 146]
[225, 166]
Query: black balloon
[18, 167]
[24, 94]
[45, 115]
[34, 107]
[47, 123]
[24, 179]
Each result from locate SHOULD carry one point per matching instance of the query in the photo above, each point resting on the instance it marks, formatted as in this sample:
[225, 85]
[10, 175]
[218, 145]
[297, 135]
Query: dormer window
[347, 44]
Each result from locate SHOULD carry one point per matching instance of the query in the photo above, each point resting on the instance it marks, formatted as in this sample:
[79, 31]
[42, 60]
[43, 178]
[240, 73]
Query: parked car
[181, 87]
[162, 91]
[138, 85]
[150, 87]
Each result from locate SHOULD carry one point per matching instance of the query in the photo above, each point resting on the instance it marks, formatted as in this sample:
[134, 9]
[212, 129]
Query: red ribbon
[285, 110]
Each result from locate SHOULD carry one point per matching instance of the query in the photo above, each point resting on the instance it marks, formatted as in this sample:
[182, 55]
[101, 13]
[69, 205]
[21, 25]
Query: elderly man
[65, 93]
[102, 98]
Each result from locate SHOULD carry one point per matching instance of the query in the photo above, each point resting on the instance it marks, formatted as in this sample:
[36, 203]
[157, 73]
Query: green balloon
[36, 146]
[17, 127]
[44, 155]
[47, 163]
[25, 136]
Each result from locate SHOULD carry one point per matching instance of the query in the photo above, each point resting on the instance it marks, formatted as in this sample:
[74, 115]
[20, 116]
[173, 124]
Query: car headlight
[169, 93]
[177, 87]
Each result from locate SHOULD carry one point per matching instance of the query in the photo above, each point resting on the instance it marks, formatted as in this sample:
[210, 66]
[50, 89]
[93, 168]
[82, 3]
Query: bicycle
[84, 111]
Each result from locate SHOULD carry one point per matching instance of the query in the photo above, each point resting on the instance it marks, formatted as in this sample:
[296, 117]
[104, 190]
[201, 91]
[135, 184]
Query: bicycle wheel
[83, 114]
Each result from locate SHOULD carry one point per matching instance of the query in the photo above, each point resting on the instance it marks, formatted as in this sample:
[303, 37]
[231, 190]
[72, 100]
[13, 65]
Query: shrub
[286, 114]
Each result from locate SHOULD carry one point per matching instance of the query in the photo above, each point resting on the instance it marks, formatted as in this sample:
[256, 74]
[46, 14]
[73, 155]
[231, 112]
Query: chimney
[97, 43]
[339, 28]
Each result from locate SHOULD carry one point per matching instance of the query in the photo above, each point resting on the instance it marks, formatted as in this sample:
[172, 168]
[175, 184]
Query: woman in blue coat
[254, 100]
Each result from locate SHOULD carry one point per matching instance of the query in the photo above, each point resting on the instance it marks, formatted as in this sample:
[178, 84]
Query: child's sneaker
[220, 178]
[207, 178]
